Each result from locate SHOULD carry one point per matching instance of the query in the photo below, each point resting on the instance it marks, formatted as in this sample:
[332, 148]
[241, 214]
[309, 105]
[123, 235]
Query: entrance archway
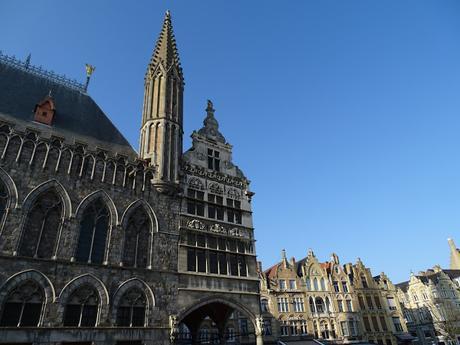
[218, 321]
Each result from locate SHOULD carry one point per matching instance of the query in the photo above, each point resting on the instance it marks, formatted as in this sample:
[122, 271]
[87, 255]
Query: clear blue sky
[344, 114]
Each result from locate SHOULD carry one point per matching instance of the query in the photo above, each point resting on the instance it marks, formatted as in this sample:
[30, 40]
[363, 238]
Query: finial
[210, 108]
[283, 254]
[27, 63]
[89, 71]
[49, 94]
[168, 13]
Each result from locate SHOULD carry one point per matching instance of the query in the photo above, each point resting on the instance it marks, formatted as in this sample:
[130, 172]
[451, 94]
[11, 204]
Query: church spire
[166, 51]
[162, 117]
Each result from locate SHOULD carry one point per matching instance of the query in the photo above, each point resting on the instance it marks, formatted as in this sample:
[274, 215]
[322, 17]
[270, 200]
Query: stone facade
[99, 245]
[330, 302]
[431, 304]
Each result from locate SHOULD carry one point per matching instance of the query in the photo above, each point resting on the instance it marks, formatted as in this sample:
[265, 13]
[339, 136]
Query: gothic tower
[454, 255]
[162, 118]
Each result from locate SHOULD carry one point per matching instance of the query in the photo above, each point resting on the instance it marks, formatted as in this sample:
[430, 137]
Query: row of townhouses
[330, 302]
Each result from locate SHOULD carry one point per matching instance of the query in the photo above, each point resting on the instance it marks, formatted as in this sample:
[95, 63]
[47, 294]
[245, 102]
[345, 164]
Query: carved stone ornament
[216, 188]
[195, 183]
[200, 156]
[218, 229]
[174, 328]
[234, 232]
[196, 224]
[234, 194]
[192, 169]
[259, 326]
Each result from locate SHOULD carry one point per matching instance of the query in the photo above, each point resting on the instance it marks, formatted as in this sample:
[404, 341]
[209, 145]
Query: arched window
[42, 226]
[308, 283]
[324, 330]
[137, 235]
[315, 284]
[131, 311]
[328, 305]
[94, 225]
[323, 284]
[23, 306]
[82, 308]
[312, 305]
[364, 281]
[264, 305]
[315, 327]
[4, 195]
[319, 304]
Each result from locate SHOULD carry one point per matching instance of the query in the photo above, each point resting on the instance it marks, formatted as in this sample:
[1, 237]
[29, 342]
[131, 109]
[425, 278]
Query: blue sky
[344, 114]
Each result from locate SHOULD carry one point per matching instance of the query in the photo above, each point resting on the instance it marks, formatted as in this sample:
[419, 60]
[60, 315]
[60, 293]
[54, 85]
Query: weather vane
[89, 71]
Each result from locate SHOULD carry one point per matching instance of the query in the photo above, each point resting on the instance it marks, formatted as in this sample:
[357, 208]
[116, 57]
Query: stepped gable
[77, 116]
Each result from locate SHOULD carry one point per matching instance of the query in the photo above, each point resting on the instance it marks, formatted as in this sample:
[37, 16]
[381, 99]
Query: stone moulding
[77, 160]
[212, 175]
[196, 224]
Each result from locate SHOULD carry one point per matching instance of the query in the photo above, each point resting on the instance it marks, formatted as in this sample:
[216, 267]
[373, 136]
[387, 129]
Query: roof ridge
[25, 66]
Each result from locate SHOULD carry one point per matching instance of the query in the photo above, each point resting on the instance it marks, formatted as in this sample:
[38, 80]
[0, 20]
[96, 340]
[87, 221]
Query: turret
[162, 116]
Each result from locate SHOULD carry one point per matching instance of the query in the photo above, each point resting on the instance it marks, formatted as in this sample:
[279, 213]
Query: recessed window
[213, 160]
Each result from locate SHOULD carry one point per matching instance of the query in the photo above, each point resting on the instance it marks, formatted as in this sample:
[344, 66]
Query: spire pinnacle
[210, 125]
[165, 49]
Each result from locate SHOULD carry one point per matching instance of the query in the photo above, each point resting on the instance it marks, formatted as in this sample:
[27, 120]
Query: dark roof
[77, 116]
[453, 274]
[425, 277]
[403, 286]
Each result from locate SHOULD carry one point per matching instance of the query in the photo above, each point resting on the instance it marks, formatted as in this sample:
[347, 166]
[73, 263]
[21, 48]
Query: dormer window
[44, 111]
[213, 160]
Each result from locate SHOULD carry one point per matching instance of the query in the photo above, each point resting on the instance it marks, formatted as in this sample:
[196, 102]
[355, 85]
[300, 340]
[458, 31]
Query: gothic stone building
[103, 245]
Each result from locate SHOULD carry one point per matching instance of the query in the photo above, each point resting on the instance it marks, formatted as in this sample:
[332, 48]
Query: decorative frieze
[215, 176]
[196, 224]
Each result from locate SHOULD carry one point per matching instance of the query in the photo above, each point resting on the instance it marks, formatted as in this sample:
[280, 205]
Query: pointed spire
[166, 50]
[454, 255]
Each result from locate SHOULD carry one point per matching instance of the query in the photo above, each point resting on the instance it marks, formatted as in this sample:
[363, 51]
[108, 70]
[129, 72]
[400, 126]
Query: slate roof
[77, 117]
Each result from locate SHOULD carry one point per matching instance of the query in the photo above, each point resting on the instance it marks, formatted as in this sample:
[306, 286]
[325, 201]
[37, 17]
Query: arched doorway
[217, 322]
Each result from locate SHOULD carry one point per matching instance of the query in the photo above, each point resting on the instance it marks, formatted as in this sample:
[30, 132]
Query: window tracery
[42, 226]
[23, 306]
[82, 308]
[131, 310]
[136, 244]
[93, 233]
[4, 197]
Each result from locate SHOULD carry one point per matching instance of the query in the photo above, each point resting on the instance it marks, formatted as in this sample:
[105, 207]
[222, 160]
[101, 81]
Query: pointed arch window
[81, 309]
[312, 305]
[23, 306]
[4, 198]
[94, 226]
[42, 225]
[137, 239]
[323, 284]
[319, 305]
[315, 284]
[131, 311]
